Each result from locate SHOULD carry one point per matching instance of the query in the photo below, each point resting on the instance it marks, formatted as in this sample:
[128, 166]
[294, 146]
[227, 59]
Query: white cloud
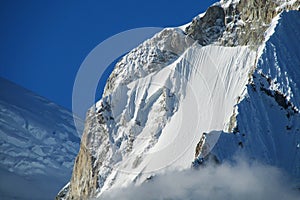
[227, 181]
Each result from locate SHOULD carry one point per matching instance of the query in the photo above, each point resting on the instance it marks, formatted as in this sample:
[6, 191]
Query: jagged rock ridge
[233, 23]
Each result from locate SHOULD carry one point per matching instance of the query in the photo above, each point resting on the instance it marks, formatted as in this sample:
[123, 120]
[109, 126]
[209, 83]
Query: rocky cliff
[233, 23]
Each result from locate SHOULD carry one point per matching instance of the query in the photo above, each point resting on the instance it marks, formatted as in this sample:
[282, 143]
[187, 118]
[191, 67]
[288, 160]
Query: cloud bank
[227, 181]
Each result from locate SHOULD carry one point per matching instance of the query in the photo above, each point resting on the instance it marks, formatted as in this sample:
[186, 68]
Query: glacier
[222, 85]
[38, 144]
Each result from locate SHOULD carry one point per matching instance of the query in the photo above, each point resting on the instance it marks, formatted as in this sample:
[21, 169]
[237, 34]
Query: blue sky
[43, 43]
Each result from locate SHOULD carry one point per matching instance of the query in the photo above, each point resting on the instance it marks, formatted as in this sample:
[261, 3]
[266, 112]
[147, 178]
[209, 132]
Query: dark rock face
[256, 15]
[209, 28]
[85, 180]
[242, 23]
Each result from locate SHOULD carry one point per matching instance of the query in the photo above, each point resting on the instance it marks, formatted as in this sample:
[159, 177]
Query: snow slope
[146, 123]
[38, 144]
[168, 133]
[268, 120]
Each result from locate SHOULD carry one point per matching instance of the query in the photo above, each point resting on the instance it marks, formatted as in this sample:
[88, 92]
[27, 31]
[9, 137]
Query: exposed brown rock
[243, 23]
[208, 28]
[84, 181]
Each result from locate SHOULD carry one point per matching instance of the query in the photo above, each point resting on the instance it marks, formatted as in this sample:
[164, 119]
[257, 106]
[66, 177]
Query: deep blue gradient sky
[43, 43]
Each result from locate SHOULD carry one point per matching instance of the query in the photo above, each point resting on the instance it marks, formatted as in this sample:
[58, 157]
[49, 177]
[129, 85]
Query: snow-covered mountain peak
[167, 101]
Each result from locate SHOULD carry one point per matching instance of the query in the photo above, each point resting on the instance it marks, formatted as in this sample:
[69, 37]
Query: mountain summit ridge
[232, 22]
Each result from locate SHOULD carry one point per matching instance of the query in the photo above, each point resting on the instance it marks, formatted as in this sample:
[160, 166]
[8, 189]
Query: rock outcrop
[209, 28]
[237, 23]
[85, 177]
